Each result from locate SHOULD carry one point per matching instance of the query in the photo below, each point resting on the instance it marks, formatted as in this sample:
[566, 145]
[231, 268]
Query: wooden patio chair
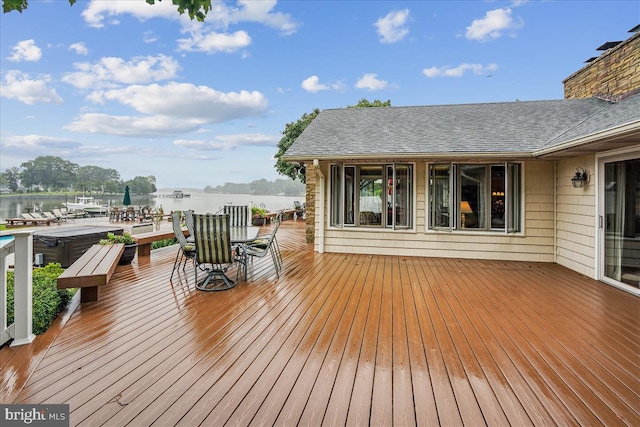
[187, 250]
[62, 216]
[50, 215]
[214, 254]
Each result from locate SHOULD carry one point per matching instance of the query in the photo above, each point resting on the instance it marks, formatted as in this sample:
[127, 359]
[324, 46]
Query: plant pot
[257, 221]
[128, 254]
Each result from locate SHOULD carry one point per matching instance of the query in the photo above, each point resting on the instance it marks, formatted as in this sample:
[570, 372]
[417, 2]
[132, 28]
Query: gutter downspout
[320, 207]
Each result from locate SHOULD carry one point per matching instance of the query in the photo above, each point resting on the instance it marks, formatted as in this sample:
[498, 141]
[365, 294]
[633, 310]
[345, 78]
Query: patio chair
[50, 215]
[239, 215]
[263, 239]
[214, 254]
[263, 246]
[187, 250]
[115, 214]
[188, 220]
[62, 216]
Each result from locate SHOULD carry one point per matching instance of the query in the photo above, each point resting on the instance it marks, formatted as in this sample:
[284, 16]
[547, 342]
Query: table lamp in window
[465, 209]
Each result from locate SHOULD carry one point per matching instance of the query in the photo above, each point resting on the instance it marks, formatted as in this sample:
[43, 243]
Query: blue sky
[145, 91]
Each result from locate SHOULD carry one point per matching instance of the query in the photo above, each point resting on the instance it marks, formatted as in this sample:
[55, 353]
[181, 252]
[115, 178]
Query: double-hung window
[372, 195]
[475, 197]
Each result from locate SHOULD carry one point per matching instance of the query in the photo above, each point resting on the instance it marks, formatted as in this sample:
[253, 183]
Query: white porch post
[23, 300]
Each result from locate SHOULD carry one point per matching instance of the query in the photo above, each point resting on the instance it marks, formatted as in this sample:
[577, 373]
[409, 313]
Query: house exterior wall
[536, 243]
[576, 216]
[615, 72]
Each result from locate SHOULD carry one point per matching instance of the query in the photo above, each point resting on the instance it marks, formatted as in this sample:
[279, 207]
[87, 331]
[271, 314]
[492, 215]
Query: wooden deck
[341, 340]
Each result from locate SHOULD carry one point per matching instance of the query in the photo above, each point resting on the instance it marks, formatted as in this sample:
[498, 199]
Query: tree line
[284, 187]
[51, 173]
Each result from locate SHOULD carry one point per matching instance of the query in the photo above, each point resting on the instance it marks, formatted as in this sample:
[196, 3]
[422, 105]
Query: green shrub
[48, 300]
[163, 243]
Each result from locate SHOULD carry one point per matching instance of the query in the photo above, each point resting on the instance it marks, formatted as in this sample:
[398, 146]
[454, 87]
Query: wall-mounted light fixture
[580, 178]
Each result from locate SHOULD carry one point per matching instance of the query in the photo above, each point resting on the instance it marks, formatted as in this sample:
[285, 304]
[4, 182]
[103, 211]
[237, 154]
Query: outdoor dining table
[243, 234]
[239, 236]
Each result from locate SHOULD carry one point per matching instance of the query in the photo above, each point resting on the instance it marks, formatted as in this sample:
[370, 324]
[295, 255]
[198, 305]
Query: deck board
[341, 339]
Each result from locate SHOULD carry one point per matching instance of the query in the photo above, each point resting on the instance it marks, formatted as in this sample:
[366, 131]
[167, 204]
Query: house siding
[576, 216]
[536, 243]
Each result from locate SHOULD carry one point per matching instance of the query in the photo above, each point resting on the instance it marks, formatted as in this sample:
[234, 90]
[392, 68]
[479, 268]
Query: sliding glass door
[620, 221]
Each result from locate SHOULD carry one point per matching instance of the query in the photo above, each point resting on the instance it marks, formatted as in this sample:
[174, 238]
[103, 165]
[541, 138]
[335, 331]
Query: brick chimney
[612, 75]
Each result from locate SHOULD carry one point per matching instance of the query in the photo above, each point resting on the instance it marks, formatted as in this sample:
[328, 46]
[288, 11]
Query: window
[475, 197]
[372, 195]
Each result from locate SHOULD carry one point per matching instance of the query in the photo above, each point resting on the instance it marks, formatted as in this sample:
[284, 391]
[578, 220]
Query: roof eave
[407, 156]
[608, 134]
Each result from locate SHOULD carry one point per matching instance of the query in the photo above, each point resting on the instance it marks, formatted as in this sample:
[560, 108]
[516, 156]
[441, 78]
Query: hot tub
[65, 245]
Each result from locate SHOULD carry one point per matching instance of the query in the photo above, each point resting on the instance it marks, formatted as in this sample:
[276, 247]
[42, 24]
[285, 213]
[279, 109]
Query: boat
[86, 204]
[179, 194]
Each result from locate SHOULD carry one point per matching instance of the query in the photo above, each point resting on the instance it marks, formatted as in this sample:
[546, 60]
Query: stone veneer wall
[614, 73]
[310, 208]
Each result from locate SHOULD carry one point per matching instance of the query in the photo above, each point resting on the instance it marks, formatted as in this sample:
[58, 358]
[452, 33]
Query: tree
[142, 185]
[48, 173]
[364, 103]
[11, 178]
[197, 9]
[293, 130]
[95, 178]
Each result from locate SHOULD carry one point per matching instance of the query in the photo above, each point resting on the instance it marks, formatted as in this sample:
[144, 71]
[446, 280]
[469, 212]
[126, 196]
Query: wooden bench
[92, 270]
[286, 214]
[21, 222]
[146, 239]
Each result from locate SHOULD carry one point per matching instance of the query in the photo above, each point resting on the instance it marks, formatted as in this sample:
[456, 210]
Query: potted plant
[257, 215]
[130, 245]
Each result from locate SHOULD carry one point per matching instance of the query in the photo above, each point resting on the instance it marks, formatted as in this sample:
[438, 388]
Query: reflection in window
[439, 180]
[372, 195]
[472, 196]
[486, 197]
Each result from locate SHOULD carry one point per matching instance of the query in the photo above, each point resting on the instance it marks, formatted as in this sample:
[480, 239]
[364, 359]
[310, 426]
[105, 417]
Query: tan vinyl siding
[536, 243]
[576, 217]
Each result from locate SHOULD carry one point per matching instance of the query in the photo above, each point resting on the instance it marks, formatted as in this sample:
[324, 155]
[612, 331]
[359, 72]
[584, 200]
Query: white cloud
[20, 86]
[97, 11]
[37, 144]
[26, 50]
[112, 72]
[149, 37]
[133, 126]
[189, 102]
[312, 84]
[211, 42]
[392, 27]
[459, 71]
[230, 142]
[492, 26]
[370, 81]
[79, 48]
[172, 109]
[255, 11]
[221, 15]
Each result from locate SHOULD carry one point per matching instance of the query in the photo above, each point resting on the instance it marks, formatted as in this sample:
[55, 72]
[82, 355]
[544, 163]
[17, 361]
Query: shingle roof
[490, 128]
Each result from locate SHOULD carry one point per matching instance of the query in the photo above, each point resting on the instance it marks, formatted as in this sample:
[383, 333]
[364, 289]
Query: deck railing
[21, 330]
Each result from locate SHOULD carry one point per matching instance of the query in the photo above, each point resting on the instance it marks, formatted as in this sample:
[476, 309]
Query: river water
[11, 207]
